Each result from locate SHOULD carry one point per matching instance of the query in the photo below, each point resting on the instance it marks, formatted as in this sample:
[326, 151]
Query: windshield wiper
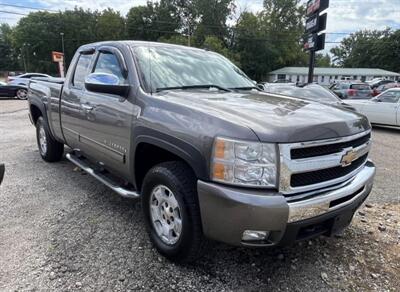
[245, 88]
[193, 87]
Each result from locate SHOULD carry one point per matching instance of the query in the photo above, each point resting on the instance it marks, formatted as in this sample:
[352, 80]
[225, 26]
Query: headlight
[244, 163]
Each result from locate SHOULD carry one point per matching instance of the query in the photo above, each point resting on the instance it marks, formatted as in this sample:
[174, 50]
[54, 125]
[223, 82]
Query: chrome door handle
[86, 107]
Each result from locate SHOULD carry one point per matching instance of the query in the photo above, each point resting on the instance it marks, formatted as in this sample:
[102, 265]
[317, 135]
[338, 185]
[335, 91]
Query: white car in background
[24, 79]
[383, 109]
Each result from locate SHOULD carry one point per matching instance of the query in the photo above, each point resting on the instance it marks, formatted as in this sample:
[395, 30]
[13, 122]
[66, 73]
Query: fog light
[254, 235]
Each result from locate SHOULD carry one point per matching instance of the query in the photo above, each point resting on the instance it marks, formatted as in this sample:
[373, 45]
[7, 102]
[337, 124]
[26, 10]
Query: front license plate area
[340, 222]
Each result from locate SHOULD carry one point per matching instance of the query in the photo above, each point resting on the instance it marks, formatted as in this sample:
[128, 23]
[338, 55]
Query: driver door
[382, 110]
[106, 126]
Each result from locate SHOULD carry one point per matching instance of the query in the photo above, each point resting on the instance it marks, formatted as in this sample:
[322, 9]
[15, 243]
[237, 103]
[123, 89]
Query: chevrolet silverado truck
[210, 156]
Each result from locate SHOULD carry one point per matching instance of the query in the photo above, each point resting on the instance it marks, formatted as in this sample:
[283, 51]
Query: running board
[102, 178]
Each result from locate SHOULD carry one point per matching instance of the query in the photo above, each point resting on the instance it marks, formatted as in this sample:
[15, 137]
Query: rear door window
[81, 70]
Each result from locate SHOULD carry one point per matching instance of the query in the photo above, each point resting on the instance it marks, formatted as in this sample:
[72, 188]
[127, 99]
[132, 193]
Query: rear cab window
[81, 70]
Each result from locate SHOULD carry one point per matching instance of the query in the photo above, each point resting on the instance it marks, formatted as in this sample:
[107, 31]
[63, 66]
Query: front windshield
[163, 67]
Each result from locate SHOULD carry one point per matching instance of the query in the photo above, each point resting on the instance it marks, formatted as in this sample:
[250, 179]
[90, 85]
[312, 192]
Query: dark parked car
[313, 92]
[378, 82]
[16, 91]
[352, 90]
[384, 87]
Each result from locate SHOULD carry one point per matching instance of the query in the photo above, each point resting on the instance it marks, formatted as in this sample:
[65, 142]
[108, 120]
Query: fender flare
[187, 152]
[41, 106]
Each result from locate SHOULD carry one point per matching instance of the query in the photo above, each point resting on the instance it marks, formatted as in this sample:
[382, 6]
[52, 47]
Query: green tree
[271, 38]
[153, 21]
[322, 60]
[175, 39]
[212, 16]
[110, 25]
[214, 44]
[35, 36]
[369, 49]
[9, 58]
[79, 27]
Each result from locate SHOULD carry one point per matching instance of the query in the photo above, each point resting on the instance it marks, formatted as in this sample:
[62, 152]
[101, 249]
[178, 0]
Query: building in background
[329, 75]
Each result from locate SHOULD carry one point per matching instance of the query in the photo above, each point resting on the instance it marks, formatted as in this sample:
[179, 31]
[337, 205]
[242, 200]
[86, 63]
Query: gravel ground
[62, 230]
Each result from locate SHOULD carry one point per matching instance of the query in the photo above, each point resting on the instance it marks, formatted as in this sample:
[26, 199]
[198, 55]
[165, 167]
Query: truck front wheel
[171, 211]
[50, 149]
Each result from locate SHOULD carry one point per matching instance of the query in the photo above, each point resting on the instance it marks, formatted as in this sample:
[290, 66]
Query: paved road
[62, 230]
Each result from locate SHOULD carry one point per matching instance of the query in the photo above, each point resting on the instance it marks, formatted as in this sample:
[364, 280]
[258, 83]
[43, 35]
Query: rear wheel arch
[35, 113]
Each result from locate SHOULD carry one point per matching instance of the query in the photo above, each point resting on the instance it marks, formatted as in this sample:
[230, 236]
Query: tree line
[257, 42]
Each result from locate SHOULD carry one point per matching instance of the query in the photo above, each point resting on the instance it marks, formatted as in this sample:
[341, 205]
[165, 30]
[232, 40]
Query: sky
[344, 16]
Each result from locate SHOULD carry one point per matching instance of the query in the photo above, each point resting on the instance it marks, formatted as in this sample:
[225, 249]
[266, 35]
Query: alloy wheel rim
[42, 140]
[21, 94]
[165, 214]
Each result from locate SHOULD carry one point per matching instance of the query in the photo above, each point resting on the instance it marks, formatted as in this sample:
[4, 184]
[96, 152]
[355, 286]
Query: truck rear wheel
[50, 149]
[171, 211]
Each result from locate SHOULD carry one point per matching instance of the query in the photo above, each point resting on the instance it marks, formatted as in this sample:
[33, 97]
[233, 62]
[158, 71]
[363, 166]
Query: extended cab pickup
[209, 155]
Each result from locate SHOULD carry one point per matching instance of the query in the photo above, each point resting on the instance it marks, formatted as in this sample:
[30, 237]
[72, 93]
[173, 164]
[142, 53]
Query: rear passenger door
[106, 128]
[71, 112]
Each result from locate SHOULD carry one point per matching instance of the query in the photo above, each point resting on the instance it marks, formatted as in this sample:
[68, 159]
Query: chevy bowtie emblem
[348, 158]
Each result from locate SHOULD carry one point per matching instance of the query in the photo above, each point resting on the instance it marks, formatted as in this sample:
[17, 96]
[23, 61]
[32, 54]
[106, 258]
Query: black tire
[54, 150]
[179, 178]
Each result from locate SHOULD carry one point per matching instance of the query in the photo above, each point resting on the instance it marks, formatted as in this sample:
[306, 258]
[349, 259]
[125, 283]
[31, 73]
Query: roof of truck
[137, 44]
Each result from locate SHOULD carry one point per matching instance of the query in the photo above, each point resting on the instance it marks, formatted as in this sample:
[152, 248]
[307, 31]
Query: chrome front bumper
[357, 187]
[226, 212]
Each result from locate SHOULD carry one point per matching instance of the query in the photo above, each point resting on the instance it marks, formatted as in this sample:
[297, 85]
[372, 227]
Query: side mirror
[106, 83]
[260, 86]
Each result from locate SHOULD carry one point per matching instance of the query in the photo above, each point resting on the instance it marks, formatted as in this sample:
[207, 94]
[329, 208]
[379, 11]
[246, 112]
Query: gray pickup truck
[209, 154]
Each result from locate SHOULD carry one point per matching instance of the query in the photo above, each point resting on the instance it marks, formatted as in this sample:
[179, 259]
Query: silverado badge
[348, 158]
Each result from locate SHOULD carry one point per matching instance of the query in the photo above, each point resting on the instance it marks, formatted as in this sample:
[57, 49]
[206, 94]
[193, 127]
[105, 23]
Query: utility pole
[189, 35]
[26, 58]
[63, 51]
[23, 59]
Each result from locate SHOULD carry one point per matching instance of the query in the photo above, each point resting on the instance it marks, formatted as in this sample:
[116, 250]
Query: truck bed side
[44, 98]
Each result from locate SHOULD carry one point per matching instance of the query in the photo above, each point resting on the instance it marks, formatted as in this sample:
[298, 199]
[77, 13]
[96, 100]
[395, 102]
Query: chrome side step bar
[102, 178]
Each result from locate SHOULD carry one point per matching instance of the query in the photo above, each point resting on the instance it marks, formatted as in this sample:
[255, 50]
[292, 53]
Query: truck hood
[274, 118]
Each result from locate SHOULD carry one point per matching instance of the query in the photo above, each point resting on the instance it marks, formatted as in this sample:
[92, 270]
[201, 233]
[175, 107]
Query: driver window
[390, 97]
[108, 63]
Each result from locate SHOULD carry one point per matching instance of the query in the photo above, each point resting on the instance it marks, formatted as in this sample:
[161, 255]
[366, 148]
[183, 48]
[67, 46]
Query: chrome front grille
[308, 166]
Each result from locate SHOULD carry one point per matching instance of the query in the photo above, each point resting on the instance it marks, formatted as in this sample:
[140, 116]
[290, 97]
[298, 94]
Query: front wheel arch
[148, 155]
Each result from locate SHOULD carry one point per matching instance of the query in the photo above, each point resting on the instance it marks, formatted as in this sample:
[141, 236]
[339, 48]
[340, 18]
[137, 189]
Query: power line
[11, 12]
[26, 7]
